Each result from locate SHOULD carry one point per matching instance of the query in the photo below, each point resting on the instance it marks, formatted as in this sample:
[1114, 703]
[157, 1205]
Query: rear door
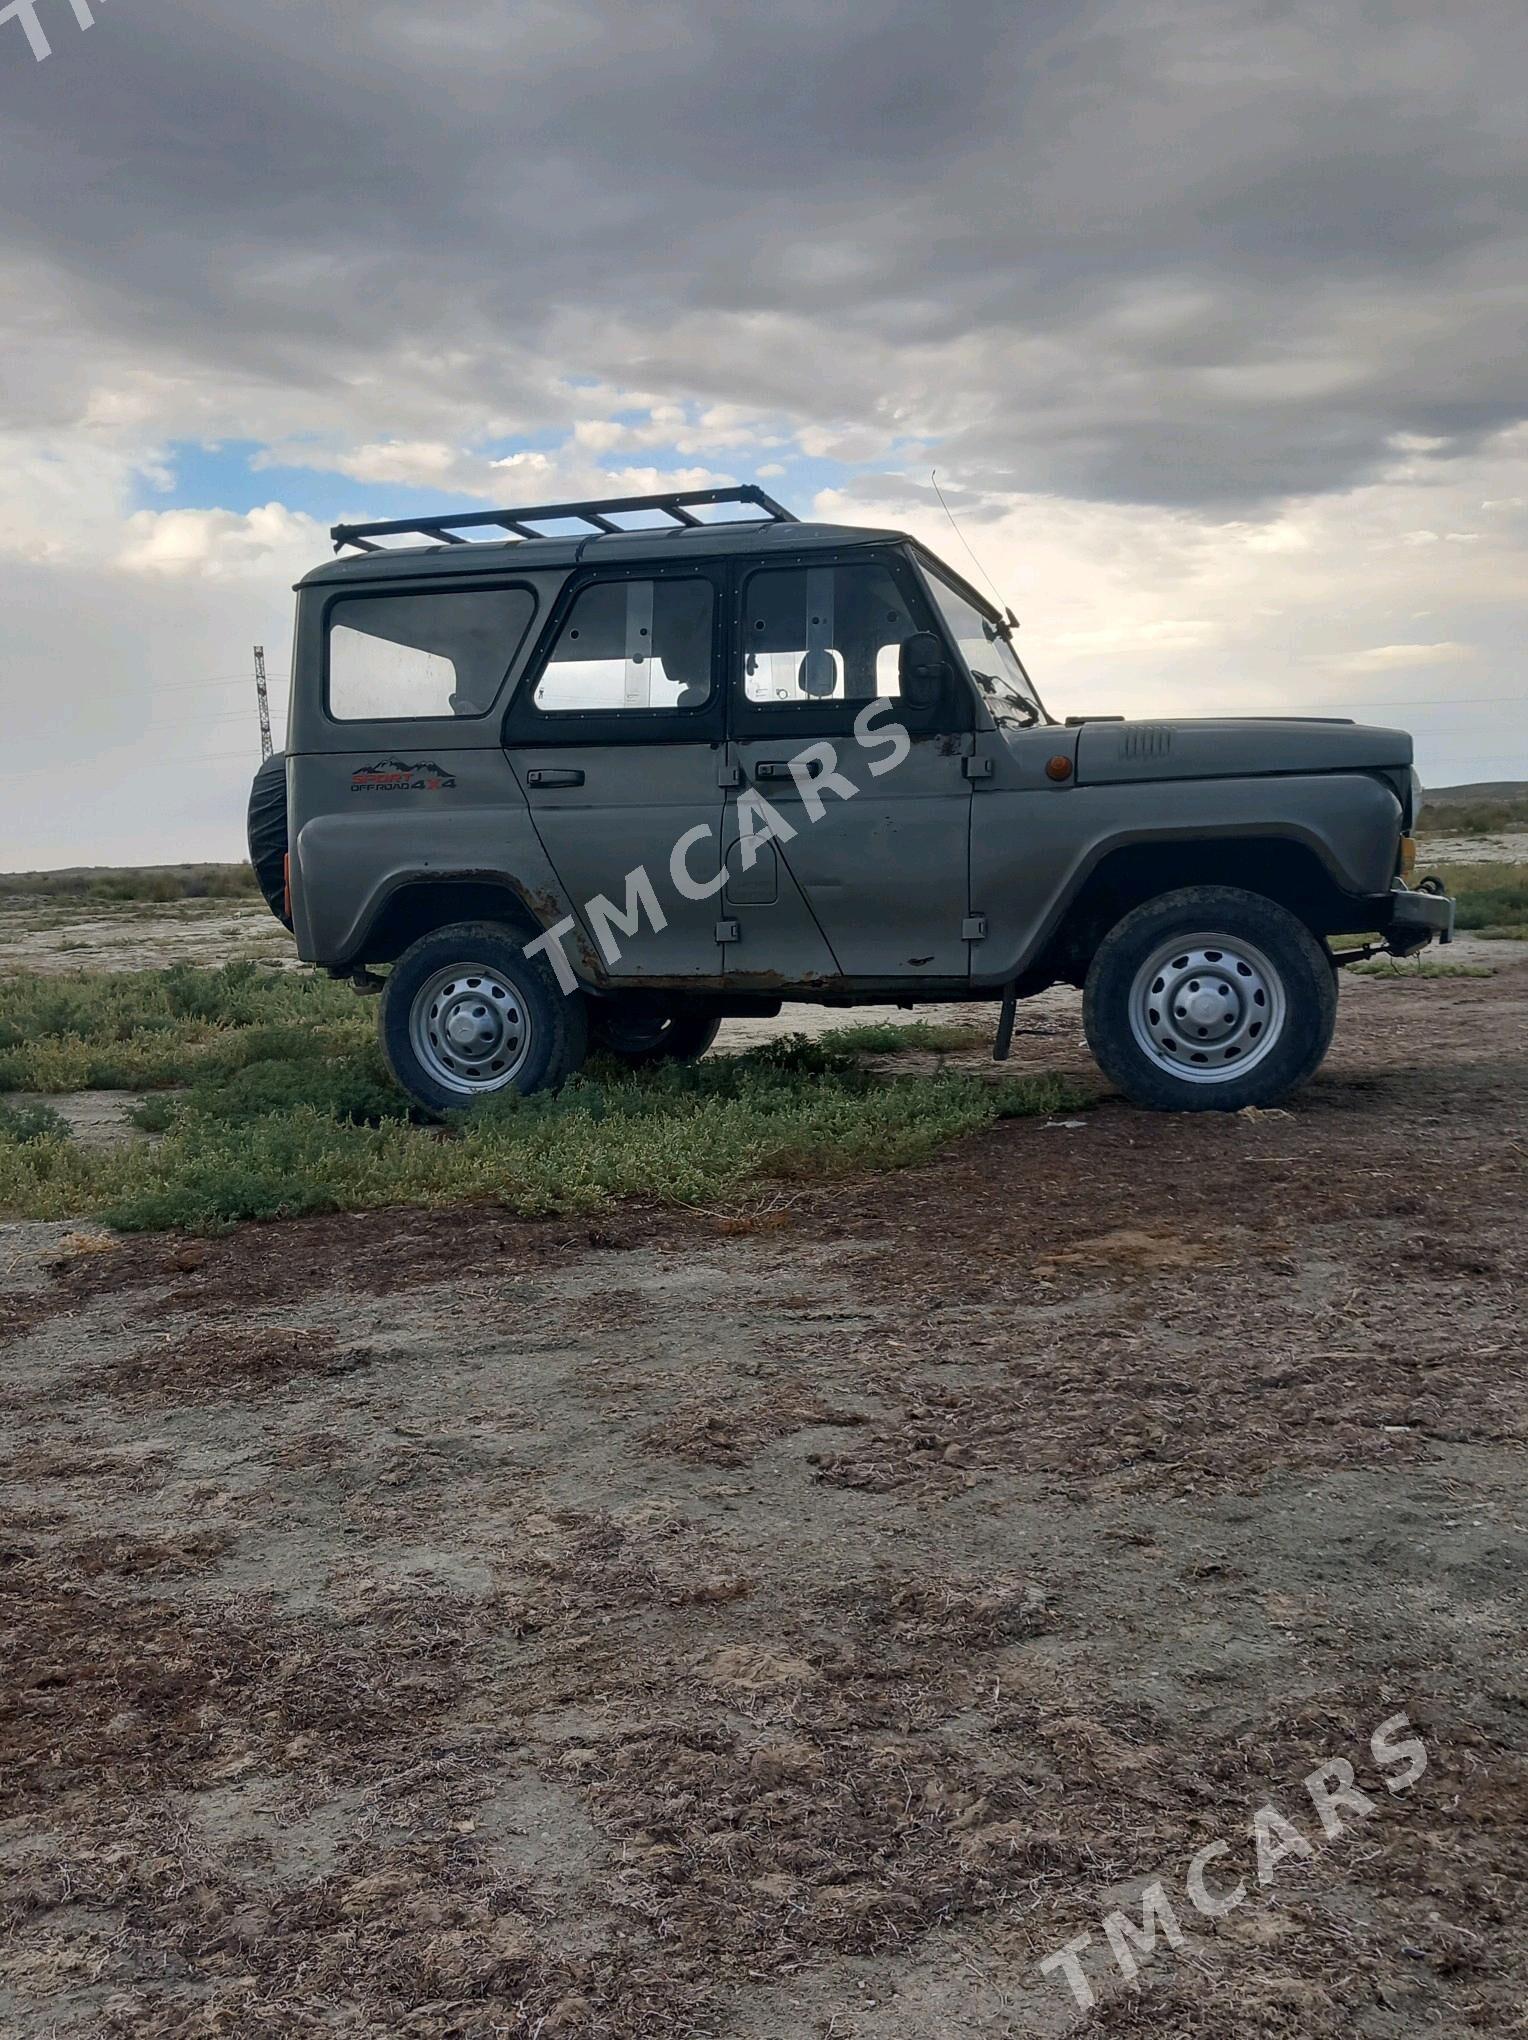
[873, 847]
[615, 733]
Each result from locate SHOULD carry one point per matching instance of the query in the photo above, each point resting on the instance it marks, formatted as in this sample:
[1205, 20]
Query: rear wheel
[1208, 1000]
[641, 1036]
[466, 1014]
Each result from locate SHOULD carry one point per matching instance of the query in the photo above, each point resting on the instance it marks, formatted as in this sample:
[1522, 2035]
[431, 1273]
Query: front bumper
[1417, 918]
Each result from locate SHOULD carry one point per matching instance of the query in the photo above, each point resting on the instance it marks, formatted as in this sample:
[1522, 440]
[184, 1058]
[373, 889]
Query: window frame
[835, 718]
[527, 724]
[382, 591]
[931, 568]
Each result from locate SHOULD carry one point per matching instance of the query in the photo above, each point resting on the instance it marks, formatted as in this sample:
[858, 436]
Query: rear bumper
[1417, 918]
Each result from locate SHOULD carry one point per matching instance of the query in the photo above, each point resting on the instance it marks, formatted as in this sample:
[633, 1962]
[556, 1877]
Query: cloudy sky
[1210, 315]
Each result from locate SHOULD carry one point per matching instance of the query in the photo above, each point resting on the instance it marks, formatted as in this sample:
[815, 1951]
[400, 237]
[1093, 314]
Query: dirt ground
[797, 1621]
[55, 936]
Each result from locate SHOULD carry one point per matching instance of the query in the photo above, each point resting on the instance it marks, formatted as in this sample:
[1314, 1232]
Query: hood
[1234, 748]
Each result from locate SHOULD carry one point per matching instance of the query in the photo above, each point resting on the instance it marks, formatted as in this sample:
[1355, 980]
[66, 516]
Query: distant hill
[1492, 807]
[1483, 789]
[156, 883]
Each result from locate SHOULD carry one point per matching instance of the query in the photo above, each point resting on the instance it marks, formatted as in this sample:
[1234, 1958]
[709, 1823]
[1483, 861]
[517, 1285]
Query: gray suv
[626, 768]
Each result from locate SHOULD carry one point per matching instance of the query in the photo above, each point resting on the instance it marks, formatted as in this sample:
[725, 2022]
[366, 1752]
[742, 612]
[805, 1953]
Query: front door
[865, 873]
[616, 736]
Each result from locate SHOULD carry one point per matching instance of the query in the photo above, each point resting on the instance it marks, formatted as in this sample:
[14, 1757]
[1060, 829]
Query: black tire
[1250, 969]
[641, 1039]
[556, 1023]
[268, 834]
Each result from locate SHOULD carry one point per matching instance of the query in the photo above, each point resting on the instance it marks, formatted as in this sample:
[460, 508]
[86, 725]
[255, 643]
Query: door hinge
[728, 931]
[974, 928]
[729, 775]
[976, 768]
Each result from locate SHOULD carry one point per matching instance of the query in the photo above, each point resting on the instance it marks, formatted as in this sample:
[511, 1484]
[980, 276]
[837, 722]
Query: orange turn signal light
[1408, 856]
[286, 884]
[1059, 767]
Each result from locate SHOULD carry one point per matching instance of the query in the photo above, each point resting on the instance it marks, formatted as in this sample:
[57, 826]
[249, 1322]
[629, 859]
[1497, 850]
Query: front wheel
[466, 1013]
[1208, 1000]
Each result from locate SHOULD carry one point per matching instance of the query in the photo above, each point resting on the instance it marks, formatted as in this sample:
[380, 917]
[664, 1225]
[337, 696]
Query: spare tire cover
[268, 833]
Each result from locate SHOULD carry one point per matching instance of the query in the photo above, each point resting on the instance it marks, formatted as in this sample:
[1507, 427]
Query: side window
[393, 658]
[823, 634]
[631, 645]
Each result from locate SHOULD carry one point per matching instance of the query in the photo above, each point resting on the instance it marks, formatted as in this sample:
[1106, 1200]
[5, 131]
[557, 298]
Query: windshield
[990, 659]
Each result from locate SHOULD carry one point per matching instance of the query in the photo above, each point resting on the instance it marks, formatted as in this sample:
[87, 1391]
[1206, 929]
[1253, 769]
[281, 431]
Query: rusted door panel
[778, 939]
[628, 809]
[886, 872]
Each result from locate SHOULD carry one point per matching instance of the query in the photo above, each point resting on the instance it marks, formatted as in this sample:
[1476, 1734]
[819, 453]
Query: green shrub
[143, 1030]
[27, 1123]
[159, 884]
[898, 1038]
[1485, 817]
[1496, 906]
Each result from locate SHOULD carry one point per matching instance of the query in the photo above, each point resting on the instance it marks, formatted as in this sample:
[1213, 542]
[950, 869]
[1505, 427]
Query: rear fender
[350, 873]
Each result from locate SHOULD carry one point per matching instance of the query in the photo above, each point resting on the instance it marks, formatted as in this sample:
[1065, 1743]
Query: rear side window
[631, 645]
[395, 658]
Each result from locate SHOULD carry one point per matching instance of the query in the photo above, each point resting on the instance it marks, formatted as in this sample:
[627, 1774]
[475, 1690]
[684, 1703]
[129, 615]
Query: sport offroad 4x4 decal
[392, 775]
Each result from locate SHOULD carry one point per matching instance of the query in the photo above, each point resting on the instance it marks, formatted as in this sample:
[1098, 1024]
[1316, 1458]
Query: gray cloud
[1160, 250]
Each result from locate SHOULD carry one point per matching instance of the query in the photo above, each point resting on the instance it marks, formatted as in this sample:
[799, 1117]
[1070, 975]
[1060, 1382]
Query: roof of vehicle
[719, 539]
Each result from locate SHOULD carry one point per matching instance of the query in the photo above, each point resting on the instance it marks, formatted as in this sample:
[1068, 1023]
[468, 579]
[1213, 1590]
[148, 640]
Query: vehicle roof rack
[678, 504]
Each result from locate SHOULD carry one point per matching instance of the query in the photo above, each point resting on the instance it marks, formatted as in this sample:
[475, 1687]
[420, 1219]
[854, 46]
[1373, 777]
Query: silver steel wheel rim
[1207, 1008]
[470, 1029]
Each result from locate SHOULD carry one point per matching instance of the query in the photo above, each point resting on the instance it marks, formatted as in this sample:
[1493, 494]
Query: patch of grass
[309, 1133]
[25, 1124]
[894, 1038]
[145, 1030]
[352, 1090]
[1490, 896]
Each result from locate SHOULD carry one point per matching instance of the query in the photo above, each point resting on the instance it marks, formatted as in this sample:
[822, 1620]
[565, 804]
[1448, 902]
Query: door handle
[779, 768]
[554, 775]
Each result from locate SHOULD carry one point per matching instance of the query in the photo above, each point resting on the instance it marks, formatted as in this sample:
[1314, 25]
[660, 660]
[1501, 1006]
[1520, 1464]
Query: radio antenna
[933, 475]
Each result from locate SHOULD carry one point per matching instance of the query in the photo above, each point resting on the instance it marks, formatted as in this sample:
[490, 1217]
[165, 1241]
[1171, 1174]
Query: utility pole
[262, 695]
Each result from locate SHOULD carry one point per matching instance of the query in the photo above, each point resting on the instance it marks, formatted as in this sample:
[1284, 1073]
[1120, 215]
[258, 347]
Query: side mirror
[923, 672]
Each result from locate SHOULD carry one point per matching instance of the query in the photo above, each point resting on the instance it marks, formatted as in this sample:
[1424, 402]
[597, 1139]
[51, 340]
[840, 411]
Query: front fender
[1032, 853]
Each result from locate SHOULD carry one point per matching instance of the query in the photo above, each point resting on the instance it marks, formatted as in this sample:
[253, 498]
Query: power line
[219, 680]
